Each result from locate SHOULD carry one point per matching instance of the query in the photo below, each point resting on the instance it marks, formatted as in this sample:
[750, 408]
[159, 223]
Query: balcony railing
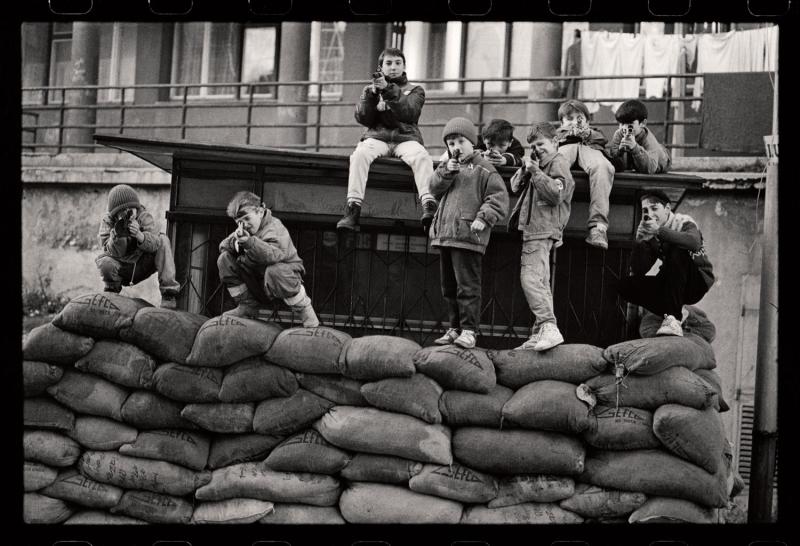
[250, 115]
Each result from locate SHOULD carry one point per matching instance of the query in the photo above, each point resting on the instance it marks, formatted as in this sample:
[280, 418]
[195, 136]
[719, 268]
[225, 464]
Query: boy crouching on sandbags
[543, 209]
[258, 262]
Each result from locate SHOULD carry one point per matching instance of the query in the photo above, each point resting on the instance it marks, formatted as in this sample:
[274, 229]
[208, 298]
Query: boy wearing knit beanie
[133, 247]
[472, 199]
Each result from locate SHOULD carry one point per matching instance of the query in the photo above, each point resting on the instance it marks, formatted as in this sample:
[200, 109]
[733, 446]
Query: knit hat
[121, 197]
[463, 127]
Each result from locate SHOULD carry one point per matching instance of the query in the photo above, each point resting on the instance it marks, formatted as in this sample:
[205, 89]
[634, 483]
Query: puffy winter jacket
[649, 157]
[126, 248]
[271, 244]
[398, 121]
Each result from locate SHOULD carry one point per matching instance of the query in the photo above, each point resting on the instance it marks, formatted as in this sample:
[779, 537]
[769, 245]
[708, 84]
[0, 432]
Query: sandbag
[137, 473]
[381, 503]
[70, 486]
[375, 431]
[712, 378]
[230, 449]
[676, 385]
[524, 488]
[100, 433]
[255, 481]
[49, 343]
[307, 451]
[372, 358]
[456, 482]
[456, 368]
[655, 473]
[364, 467]
[36, 476]
[518, 451]
[460, 408]
[697, 323]
[569, 362]
[221, 418]
[417, 396]
[547, 405]
[50, 448]
[224, 340]
[231, 511]
[526, 513]
[301, 514]
[253, 380]
[38, 508]
[309, 350]
[166, 334]
[37, 376]
[283, 416]
[148, 410]
[667, 510]
[44, 412]
[591, 501]
[342, 391]
[99, 315]
[694, 435]
[187, 383]
[85, 393]
[620, 428]
[154, 507]
[189, 449]
[100, 517]
[653, 355]
[120, 363]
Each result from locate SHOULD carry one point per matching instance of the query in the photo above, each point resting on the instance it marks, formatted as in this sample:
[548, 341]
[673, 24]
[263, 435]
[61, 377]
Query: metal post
[122, 112]
[183, 111]
[667, 104]
[480, 107]
[249, 113]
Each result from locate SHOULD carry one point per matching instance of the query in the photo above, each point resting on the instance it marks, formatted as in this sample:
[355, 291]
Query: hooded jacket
[271, 244]
[649, 157]
[592, 138]
[398, 121]
[126, 248]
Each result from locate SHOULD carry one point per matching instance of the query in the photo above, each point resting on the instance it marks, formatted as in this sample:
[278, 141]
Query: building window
[117, 63]
[259, 58]
[326, 61]
[60, 59]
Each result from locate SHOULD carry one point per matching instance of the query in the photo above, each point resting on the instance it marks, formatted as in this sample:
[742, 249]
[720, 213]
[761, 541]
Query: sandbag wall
[135, 414]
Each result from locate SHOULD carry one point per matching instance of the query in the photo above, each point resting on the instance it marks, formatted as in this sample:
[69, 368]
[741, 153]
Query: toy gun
[122, 223]
[627, 130]
[381, 103]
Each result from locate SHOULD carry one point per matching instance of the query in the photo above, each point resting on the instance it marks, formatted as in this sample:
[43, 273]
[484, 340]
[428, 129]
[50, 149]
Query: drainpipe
[84, 71]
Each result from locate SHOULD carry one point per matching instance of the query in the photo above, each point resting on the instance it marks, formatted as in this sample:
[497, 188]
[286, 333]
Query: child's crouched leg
[110, 273]
[233, 276]
[601, 178]
[284, 281]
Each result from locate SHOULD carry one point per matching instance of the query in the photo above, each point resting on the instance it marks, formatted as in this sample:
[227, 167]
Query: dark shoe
[428, 211]
[248, 307]
[168, 302]
[113, 289]
[350, 218]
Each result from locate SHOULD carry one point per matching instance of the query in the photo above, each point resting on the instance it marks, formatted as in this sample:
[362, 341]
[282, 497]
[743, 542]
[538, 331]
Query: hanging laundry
[610, 54]
[771, 53]
[667, 54]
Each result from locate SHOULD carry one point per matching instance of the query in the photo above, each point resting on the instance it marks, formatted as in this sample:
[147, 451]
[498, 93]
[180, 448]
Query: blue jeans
[534, 276]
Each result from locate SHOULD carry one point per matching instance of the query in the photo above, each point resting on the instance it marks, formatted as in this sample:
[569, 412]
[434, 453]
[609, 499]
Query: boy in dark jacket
[498, 144]
[585, 146]
[544, 209]
[633, 146]
[389, 108]
[686, 273]
[133, 247]
[258, 262]
[473, 198]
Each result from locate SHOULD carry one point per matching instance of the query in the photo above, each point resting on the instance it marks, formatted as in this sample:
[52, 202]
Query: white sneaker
[449, 337]
[466, 339]
[670, 327]
[531, 342]
[549, 337]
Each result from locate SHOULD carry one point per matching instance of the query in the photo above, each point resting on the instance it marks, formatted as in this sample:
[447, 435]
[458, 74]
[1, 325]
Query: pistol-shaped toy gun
[381, 103]
[122, 223]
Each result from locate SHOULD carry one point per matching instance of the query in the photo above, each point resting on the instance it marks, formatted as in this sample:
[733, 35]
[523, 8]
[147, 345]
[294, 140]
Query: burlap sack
[309, 350]
[364, 467]
[188, 383]
[461, 408]
[518, 451]
[456, 368]
[154, 507]
[372, 358]
[185, 448]
[36, 476]
[547, 405]
[697, 323]
[667, 510]
[381, 503]
[231, 511]
[101, 517]
[417, 396]
[676, 385]
[72, 487]
[253, 380]
[655, 354]
[49, 343]
[694, 435]
[524, 488]
[307, 451]
[284, 416]
[301, 514]
[456, 482]
[148, 410]
[119, 362]
[50, 448]
[569, 362]
[621, 428]
[342, 391]
[37, 508]
[371, 430]
[230, 449]
[224, 340]
[100, 433]
[715, 381]
[526, 513]
[591, 501]
[85, 393]
[166, 334]
[37, 376]
[44, 412]
[99, 315]
[221, 418]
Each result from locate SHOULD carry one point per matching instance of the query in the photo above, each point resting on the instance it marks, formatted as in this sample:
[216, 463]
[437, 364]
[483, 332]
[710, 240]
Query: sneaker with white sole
[466, 339]
[549, 337]
[597, 236]
[670, 327]
[531, 342]
[449, 337]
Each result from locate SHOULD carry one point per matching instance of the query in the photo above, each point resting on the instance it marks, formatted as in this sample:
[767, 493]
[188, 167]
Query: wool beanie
[121, 197]
[463, 127]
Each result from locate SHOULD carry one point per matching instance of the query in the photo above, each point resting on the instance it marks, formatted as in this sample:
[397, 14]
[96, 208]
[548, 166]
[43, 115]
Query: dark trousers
[677, 283]
[461, 286]
[276, 281]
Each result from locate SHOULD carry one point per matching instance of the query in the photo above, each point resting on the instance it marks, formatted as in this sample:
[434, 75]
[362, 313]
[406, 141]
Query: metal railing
[47, 121]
